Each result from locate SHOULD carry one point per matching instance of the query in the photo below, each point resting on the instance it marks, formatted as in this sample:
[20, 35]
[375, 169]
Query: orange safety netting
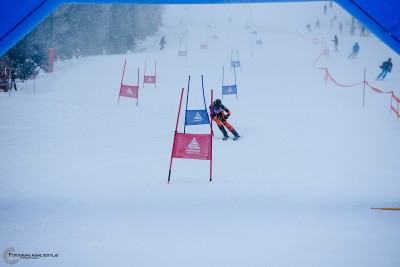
[377, 90]
[329, 76]
[395, 98]
[325, 53]
[395, 111]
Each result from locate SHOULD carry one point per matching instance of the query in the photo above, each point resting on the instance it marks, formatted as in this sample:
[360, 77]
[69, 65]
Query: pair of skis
[234, 138]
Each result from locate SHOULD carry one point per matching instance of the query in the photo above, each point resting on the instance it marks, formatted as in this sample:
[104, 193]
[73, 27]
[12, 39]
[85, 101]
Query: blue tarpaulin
[19, 17]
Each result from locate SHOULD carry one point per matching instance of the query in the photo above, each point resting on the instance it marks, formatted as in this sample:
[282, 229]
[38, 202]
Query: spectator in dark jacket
[162, 43]
[336, 42]
[386, 67]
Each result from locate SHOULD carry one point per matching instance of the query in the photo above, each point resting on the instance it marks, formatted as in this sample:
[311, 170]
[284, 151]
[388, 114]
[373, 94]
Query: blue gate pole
[187, 100]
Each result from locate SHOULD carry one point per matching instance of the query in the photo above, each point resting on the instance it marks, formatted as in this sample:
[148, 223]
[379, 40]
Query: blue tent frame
[19, 17]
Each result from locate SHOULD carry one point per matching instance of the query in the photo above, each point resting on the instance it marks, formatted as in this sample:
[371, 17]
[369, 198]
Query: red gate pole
[123, 72]
[137, 99]
[176, 130]
[211, 138]
[144, 74]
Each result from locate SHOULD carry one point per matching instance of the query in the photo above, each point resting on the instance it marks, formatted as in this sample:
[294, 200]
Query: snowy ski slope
[85, 178]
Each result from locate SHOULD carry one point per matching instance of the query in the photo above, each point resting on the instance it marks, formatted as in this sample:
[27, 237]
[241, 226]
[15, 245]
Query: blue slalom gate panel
[235, 64]
[229, 89]
[197, 117]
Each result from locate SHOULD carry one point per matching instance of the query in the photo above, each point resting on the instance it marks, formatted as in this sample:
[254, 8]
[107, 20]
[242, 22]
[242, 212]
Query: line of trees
[78, 30]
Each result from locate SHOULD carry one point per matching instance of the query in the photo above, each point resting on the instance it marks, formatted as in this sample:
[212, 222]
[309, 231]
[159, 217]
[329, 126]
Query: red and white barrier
[396, 109]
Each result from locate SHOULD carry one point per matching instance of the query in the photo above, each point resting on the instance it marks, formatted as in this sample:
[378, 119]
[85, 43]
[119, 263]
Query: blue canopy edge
[19, 17]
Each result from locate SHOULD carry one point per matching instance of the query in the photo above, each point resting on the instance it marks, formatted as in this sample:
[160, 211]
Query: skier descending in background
[356, 48]
[217, 110]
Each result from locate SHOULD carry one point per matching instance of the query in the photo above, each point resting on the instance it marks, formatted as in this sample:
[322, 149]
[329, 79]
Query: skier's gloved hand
[227, 116]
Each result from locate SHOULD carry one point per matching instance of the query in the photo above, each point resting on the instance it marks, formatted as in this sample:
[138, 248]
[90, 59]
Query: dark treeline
[78, 30]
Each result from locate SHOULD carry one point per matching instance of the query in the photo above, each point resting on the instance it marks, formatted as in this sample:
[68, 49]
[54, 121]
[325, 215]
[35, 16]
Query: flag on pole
[197, 117]
[192, 146]
[129, 91]
[229, 89]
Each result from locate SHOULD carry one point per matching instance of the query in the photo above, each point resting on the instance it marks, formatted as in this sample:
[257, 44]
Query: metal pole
[237, 51]
[251, 48]
[385, 208]
[51, 30]
[234, 72]
[223, 71]
[365, 71]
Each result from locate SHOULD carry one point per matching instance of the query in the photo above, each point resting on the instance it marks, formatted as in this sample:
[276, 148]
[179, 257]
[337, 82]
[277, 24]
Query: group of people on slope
[386, 66]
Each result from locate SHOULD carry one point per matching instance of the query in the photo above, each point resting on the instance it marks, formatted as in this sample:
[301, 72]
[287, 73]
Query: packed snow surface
[84, 177]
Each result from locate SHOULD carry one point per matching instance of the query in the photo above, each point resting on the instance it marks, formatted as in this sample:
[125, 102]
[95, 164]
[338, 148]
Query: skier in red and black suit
[217, 110]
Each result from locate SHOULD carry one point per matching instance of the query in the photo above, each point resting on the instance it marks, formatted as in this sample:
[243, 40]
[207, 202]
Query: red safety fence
[396, 109]
[376, 89]
[395, 98]
[329, 76]
[325, 53]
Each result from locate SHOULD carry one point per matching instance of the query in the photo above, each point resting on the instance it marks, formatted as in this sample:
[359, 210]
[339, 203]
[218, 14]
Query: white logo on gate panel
[193, 147]
[129, 91]
[198, 117]
[230, 89]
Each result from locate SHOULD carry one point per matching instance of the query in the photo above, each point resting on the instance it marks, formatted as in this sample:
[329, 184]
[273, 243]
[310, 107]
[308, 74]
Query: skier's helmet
[217, 103]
